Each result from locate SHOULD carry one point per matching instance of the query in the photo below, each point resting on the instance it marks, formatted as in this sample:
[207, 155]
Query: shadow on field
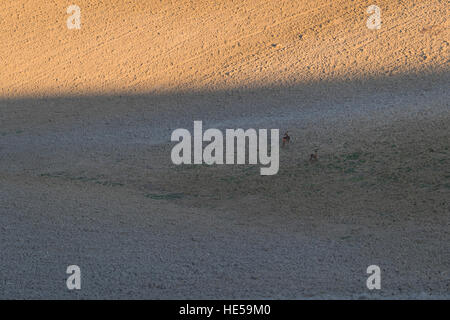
[177, 109]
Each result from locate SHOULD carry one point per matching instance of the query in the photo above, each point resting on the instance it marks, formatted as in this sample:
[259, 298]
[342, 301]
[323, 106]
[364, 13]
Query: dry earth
[85, 170]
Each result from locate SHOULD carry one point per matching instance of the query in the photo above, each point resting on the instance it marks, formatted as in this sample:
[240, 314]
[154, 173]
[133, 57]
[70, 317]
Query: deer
[286, 139]
[313, 157]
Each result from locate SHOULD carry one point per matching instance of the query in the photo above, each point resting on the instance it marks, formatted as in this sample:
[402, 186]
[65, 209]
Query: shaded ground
[94, 186]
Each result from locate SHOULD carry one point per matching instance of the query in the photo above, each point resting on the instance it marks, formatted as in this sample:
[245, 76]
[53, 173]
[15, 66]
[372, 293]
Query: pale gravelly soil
[142, 46]
[85, 170]
[103, 194]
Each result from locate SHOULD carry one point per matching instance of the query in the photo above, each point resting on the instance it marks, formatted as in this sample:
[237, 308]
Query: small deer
[313, 157]
[286, 139]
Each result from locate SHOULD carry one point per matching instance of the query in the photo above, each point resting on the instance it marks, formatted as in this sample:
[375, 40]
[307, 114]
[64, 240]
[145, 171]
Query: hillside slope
[153, 46]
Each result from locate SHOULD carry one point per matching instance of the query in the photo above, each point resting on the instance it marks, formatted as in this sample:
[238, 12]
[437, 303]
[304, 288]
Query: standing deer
[286, 139]
[313, 157]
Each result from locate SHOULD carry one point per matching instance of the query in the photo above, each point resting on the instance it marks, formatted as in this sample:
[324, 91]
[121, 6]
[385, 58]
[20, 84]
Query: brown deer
[313, 157]
[286, 139]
